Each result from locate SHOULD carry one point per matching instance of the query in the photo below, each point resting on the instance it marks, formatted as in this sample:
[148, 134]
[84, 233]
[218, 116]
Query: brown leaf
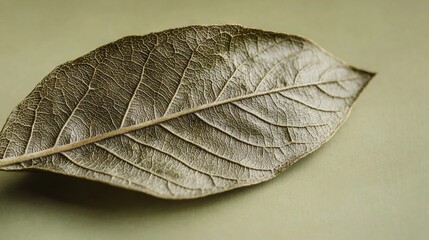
[183, 113]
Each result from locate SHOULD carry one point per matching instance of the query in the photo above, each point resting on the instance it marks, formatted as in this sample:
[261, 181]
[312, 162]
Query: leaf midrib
[123, 130]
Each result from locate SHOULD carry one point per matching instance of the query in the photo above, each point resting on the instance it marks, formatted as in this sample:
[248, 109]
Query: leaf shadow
[92, 196]
[101, 201]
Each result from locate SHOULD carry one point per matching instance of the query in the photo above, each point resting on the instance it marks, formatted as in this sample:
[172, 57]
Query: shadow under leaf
[94, 196]
[101, 200]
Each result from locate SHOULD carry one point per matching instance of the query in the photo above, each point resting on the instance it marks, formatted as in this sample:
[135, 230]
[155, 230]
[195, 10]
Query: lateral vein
[70, 146]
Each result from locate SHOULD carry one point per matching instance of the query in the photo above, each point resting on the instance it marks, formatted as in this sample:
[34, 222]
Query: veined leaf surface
[185, 112]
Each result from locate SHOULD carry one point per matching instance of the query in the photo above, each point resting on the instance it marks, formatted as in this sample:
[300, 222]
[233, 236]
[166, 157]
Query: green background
[369, 182]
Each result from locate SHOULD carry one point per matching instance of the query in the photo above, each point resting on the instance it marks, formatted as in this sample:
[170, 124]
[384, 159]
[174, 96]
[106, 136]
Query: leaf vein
[210, 152]
[137, 166]
[137, 87]
[175, 158]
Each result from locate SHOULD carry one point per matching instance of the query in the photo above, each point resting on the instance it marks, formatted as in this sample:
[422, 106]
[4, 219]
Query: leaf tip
[368, 75]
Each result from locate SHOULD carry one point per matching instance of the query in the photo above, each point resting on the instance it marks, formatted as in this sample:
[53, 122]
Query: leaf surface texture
[185, 112]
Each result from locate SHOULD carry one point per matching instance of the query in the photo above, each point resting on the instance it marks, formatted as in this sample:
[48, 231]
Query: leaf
[183, 113]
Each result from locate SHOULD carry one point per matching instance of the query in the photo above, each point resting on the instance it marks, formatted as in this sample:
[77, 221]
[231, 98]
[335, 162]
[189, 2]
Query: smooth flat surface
[369, 182]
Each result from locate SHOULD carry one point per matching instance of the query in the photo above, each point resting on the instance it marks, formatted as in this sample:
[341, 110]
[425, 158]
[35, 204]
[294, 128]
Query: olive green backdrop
[371, 181]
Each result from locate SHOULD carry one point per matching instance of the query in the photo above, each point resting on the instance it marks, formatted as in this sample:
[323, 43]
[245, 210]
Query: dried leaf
[183, 113]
